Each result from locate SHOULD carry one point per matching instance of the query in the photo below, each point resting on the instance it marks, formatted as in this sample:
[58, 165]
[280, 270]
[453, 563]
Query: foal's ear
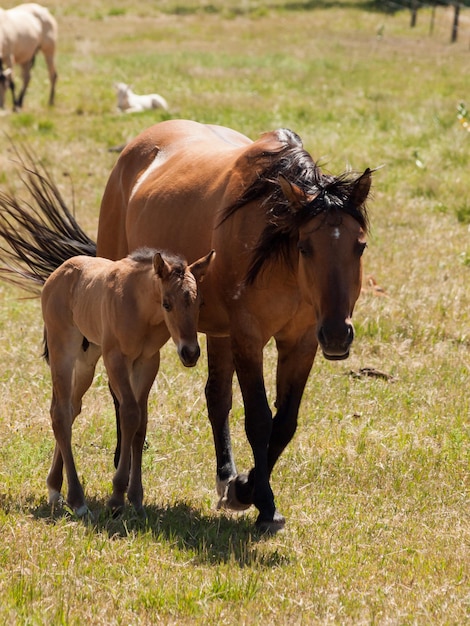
[161, 267]
[361, 188]
[200, 267]
[296, 197]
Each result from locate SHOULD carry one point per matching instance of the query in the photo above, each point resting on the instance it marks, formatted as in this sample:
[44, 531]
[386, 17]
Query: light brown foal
[125, 310]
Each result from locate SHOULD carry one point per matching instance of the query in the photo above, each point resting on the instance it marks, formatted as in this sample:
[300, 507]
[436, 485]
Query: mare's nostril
[350, 333]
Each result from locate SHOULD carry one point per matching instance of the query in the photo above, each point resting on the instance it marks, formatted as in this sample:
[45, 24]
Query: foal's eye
[166, 305]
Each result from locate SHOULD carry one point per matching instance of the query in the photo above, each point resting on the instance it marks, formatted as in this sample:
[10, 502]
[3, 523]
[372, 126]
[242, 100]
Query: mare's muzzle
[189, 355]
[335, 340]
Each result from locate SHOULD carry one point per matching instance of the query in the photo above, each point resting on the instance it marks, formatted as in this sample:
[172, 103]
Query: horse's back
[73, 287]
[169, 186]
[31, 26]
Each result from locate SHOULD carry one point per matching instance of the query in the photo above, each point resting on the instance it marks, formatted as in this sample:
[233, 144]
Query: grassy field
[375, 484]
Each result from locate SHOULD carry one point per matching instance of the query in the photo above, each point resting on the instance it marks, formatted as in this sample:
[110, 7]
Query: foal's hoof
[271, 526]
[229, 498]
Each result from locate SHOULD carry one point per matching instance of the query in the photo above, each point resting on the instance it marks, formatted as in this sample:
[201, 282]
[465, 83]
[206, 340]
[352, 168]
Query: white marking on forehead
[159, 159]
[335, 233]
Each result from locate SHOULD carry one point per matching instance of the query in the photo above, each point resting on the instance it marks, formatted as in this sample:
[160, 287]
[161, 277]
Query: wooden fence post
[455, 25]
[414, 13]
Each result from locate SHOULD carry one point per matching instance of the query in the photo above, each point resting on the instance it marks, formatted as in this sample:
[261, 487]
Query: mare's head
[180, 300]
[331, 237]
[316, 225]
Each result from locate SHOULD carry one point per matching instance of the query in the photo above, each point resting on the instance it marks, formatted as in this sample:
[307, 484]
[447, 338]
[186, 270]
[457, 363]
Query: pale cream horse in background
[130, 102]
[24, 30]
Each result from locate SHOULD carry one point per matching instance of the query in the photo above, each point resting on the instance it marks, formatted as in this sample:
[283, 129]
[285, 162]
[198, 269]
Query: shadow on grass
[215, 538]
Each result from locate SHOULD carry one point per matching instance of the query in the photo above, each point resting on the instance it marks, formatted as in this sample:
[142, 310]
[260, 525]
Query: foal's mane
[332, 198]
[145, 255]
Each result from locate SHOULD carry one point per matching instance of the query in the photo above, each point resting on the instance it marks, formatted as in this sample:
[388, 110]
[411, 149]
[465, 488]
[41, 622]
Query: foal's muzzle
[189, 355]
[335, 341]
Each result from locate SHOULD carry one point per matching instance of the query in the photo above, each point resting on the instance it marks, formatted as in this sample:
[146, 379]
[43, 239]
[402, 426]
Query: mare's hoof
[83, 511]
[271, 526]
[140, 512]
[116, 507]
[229, 498]
[55, 497]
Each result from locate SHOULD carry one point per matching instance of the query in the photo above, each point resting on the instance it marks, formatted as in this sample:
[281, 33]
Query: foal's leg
[144, 372]
[119, 372]
[81, 379]
[219, 402]
[62, 360]
[117, 451]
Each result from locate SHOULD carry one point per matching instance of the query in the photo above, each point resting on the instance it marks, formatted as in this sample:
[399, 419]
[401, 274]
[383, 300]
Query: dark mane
[282, 224]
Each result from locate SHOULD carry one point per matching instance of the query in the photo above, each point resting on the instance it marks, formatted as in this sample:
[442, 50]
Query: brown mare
[289, 241]
[125, 310]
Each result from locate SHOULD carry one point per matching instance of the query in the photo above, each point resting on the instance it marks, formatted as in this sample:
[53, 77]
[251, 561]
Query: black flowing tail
[38, 235]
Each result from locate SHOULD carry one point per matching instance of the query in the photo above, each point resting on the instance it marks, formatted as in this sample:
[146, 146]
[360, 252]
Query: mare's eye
[361, 246]
[166, 305]
[304, 248]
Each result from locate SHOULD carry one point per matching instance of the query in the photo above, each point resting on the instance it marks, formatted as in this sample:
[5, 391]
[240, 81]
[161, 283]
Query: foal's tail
[39, 234]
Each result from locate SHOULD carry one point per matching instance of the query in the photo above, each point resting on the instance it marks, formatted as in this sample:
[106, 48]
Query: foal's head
[180, 300]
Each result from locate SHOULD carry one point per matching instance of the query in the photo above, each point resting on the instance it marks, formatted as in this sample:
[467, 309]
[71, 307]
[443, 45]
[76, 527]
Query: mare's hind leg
[219, 402]
[49, 56]
[26, 74]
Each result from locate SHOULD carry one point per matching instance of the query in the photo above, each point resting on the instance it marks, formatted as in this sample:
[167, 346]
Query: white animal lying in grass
[130, 102]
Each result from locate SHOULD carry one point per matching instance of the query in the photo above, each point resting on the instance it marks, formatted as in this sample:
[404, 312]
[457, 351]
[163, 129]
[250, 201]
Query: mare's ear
[161, 267]
[200, 267]
[296, 197]
[361, 188]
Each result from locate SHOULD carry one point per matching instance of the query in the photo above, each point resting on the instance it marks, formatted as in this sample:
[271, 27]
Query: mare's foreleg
[268, 439]
[295, 359]
[255, 488]
[219, 402]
